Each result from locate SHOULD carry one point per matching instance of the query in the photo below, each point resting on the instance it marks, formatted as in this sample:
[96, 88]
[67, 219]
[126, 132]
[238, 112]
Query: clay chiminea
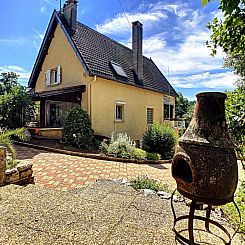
[205, 165]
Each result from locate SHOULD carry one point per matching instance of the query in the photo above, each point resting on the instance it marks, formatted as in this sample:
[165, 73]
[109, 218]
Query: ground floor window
[168, 106]
[168, 111]
[119, 111]
[149, 115]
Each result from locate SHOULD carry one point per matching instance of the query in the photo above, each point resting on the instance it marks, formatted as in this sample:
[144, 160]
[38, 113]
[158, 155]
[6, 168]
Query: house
[120, 89]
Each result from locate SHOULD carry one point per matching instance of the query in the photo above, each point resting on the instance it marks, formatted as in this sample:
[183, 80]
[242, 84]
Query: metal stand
[206, 219]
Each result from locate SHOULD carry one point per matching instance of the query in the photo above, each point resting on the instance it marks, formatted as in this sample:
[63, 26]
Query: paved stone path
[67, 172]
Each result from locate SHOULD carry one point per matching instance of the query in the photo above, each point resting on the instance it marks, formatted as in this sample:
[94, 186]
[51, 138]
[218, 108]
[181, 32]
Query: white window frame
[53, 76]
[122, 105]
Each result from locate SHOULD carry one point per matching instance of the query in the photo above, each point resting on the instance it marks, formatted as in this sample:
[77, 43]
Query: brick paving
[67, 172]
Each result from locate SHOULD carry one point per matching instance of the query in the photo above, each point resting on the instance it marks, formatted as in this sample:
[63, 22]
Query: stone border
[90, 155]
[20, 175]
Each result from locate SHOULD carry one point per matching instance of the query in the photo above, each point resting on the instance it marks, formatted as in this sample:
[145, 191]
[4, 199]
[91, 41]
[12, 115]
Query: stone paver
[66, 172]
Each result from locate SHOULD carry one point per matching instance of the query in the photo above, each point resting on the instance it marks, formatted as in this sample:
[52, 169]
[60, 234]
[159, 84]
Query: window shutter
[59, 74]
[48, 77]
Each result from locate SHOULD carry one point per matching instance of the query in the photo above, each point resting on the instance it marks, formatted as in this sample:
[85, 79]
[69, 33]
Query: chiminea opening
[183, 170]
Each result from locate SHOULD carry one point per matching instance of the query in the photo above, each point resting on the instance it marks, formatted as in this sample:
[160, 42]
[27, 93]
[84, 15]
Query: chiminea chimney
[70, 13]
[137, 49]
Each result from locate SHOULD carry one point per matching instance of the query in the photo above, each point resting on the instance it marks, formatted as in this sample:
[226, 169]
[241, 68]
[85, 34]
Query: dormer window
[118, 69]
[53, 76]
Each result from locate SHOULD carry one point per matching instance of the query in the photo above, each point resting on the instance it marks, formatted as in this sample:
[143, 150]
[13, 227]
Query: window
[168, 111]
[53, 76]
[119, 111]
[118, 69]
[149, 116]
[168, 108]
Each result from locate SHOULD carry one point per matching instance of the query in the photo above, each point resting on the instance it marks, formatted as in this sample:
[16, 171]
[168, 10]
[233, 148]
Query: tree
[8, 81]
[237, 64]
[16, 104]
[235, 116]
[181, 106]
[184, 108]
[229, 34]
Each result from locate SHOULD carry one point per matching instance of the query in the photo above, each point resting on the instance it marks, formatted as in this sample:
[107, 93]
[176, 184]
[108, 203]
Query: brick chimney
[137, 49]
[70, 13]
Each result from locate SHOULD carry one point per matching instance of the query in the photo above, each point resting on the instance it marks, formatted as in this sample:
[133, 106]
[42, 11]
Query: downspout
[90, 96]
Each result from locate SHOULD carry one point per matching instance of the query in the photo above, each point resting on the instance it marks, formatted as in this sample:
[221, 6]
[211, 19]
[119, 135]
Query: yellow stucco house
[120, 89]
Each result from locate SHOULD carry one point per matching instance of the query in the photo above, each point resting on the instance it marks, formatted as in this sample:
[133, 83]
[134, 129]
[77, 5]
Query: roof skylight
[118, 69]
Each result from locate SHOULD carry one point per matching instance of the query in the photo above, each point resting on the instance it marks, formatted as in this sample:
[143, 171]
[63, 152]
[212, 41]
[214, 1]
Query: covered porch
[54, 105]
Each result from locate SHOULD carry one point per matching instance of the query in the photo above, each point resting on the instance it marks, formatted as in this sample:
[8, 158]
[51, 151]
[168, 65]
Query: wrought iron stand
[206, 219]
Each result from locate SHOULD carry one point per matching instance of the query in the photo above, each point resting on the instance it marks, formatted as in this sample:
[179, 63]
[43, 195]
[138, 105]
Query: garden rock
[164, 194]
[148, 192]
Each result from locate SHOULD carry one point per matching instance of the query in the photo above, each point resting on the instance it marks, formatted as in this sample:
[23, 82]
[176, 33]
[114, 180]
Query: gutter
[90, 96]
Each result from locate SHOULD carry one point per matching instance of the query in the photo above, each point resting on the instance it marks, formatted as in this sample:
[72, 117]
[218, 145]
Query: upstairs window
[53, 76]
[149, 115]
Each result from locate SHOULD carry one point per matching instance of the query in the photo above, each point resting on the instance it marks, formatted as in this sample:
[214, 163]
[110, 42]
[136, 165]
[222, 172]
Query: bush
[120, 146]
[139, 154]
[160, 138]
[77, 130]
[103, 147]
[231, 211]
[143, 182]
[153, 156]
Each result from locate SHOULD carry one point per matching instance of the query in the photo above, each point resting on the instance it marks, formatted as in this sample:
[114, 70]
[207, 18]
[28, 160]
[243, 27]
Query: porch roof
[69, 94]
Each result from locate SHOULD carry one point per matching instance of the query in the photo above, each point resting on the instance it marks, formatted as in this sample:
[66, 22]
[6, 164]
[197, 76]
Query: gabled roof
[96, 53]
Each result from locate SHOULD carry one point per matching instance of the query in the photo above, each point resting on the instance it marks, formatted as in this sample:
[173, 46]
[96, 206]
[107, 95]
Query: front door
[54, 114]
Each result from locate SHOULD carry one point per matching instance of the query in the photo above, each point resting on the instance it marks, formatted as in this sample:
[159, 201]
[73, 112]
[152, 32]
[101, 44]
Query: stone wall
[20, 175]
[2, 164]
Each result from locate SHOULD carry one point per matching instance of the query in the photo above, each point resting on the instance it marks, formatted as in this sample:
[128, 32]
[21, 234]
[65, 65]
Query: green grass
[231, 211]
[143, 182]
[11, 163]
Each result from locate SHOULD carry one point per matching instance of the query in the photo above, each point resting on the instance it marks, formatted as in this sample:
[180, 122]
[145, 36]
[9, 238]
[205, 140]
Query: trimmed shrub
[153, 156]
[120, 146]
[103, 147]
[160, 138]
[139, 154]
[77, 130]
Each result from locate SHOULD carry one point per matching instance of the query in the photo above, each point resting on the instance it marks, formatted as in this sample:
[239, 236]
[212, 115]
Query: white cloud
[119, 24]
[23, 74]
[38, 38]
[50, 2]
[222, 80]
[11, 41]
[218, 14]
[179, 9]
[151, 44]
[43, 10]
[176, 44]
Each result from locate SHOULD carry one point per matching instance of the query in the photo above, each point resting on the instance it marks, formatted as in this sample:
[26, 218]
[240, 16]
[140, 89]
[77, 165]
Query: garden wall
[20, 175]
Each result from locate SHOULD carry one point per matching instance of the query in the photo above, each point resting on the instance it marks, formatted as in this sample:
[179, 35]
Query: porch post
[42, 113]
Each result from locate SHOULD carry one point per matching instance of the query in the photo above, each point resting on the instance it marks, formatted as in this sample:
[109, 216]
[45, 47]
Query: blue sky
[174, 37]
